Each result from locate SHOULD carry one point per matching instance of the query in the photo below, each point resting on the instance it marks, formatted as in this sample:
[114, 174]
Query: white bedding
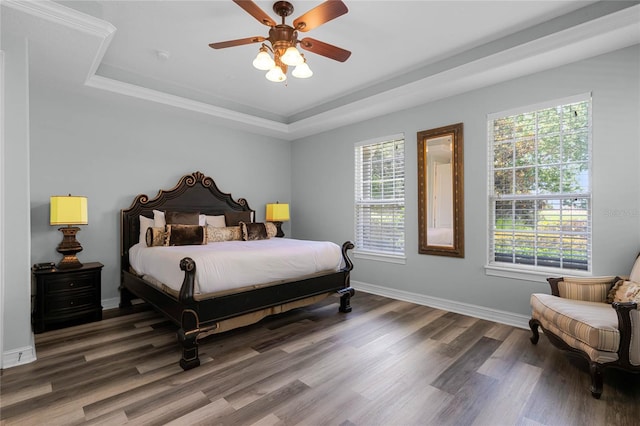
[235, 264]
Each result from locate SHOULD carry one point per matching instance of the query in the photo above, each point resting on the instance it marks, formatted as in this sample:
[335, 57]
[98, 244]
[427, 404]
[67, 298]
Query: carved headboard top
[193, 193]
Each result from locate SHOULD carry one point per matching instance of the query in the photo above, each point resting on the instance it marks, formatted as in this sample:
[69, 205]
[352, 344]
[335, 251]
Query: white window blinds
[379, 196]
[540, 185]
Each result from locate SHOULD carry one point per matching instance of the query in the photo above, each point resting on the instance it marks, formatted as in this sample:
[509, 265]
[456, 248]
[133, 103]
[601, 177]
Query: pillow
[158, 219]
[234, 218]
[587, 289]
[156, 237]
[253, 231]
[272, 230]
[145, 223]
[182, 218]
[217, 221]
[625, 291]
[217, 234]
[186, 235]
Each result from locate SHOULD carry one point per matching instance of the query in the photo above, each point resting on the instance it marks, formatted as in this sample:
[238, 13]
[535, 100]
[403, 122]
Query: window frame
[371, 253]
[538, 272]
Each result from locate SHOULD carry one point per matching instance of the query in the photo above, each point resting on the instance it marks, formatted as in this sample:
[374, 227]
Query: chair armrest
[627, 332]
[597, 281]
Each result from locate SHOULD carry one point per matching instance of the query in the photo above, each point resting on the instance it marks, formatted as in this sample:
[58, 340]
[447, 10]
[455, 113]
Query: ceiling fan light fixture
[276, 75]
[302, 71]
[263, 60]
[292, 57]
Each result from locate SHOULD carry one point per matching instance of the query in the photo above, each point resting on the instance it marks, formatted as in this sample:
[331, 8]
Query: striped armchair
[595, 318]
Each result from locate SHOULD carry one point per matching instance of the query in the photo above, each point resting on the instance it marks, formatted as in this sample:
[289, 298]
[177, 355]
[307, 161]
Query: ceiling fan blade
[320, 14]
[254, 10]
[324, 49]
[239, 42]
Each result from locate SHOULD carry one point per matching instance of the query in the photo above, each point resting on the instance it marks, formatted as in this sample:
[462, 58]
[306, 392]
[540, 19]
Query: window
[379, 197]
[539, 186]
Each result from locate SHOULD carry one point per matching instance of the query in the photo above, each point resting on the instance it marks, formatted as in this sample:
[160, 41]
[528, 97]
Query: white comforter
[235, 264]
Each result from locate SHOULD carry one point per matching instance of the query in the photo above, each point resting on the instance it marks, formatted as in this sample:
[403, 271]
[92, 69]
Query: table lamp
[278, 213]
[68, 210]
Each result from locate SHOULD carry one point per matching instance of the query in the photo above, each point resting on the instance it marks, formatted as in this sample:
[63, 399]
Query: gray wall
[111, 148]
[322, 181]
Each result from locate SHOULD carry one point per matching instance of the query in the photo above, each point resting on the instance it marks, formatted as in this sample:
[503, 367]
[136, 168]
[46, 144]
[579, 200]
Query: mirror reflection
[439, 190]
[440, 193]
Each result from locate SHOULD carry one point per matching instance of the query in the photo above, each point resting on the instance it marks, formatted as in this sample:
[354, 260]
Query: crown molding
[59, 14]
[591, 38]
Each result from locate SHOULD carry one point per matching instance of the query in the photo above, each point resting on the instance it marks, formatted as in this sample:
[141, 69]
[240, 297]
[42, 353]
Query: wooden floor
[386, 363]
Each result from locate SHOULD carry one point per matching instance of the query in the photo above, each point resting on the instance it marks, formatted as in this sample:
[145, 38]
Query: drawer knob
[71, 303]
[71, 284]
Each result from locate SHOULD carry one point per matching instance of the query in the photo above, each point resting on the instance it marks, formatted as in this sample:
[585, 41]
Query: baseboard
[18, 356]
[503, 317]
[112, 303]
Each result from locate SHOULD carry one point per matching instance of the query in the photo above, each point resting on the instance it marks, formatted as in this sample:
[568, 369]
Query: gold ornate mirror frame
[441, 191]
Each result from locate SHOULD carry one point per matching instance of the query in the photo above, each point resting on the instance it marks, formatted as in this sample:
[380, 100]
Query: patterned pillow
[156, 237]
[625, 291]
[217, 234]
[587, 289]
[186, 235]
[145, 223]
[181, 218]
[253, 231]
[271, 229]
[233, 218]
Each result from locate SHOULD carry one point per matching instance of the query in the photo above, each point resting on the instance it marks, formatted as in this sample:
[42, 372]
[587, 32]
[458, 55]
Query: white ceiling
[404, 53]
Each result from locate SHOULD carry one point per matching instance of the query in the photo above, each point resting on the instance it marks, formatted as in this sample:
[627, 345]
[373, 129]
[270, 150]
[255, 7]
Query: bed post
[187, 335]
[347, 292]
[189, 323]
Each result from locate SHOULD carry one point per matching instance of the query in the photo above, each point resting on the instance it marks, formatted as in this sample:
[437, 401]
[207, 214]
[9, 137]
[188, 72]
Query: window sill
[539, 274]
[380, 257]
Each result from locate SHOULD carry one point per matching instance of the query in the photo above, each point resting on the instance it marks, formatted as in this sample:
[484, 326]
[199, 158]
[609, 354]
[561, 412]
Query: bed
[202, 304]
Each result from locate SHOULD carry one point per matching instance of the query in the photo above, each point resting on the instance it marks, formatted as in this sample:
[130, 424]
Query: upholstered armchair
[595, 318]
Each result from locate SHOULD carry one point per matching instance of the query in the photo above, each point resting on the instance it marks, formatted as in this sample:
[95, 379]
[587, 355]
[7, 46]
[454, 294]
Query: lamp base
[280, 232]
[68, 247]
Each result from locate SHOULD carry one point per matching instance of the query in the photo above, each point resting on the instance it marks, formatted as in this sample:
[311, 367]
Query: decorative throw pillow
[156, 237]
[216, 234]
[625, 291]
[272, 230]
[158, 219]
[233, 218]
[217, 221]
[182, 218]
[253, 231]
[587, 289]
[186, 235]
[145, 223]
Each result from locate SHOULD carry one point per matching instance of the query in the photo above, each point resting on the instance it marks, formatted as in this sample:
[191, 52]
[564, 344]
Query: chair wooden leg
[596, 379]
[534, 329]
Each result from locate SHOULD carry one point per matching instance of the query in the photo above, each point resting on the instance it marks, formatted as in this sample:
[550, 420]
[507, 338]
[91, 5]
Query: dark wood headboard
[193, 193]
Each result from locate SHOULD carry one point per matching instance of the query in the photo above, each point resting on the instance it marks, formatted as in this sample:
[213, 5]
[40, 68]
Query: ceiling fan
[283, 38]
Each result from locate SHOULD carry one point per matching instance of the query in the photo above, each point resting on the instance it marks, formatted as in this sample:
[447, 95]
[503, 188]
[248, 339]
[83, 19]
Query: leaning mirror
[440, 191]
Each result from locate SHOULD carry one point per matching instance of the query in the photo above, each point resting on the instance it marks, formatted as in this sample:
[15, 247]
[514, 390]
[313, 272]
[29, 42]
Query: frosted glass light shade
[68, 210]
[263, 61]
[276, 75]
[292, 57]
[302, 71]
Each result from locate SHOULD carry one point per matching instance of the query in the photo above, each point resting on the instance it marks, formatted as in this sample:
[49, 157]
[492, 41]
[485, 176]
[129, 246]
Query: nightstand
[66, 297]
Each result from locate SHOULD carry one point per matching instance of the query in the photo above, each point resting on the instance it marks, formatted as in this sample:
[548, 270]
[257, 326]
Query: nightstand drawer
[77, 302]
[74, 282]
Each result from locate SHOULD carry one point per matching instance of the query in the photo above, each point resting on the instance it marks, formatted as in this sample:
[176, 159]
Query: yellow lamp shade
[68, 210]
[277, 212]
